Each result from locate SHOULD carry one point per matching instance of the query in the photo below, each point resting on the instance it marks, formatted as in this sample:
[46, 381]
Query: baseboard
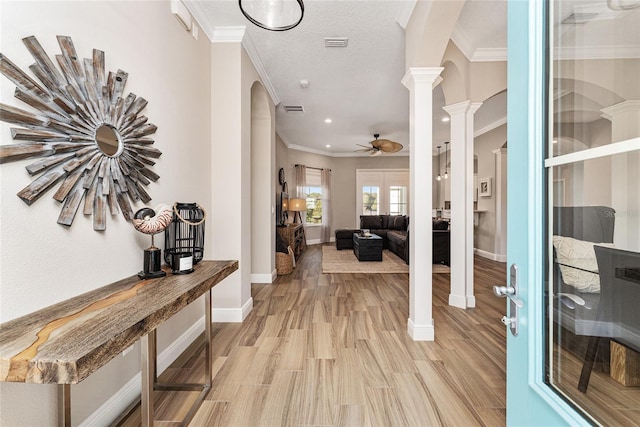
[420, 332]
[490, 255]
[314, 241]
[232, 315]
[262, 278]
[120, 401]
[457, 301]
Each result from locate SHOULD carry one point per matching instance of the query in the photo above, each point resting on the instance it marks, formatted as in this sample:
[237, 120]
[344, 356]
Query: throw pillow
[578, 253]
[399, 223]
[371, 222]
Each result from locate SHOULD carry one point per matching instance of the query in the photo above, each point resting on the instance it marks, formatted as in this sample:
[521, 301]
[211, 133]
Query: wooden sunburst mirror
[92, 138]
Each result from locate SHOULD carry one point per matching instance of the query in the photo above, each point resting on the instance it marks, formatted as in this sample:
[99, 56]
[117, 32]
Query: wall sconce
[297, 206]
[273, 15]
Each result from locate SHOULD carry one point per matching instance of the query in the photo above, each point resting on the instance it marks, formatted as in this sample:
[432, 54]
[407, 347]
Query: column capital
[457, 108]
[421, 75]
[630, 106]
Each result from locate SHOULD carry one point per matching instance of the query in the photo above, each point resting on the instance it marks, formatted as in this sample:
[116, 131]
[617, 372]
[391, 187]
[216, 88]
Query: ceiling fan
[379, 146]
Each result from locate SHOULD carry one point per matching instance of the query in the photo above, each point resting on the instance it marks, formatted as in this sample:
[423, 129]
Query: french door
[382, 192]
[573, 174]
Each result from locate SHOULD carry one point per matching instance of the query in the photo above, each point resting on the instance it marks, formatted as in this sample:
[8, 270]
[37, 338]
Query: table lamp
[297, 206]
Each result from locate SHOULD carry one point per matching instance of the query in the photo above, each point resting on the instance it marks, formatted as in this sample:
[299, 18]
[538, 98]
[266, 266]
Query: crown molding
[197, 11]
[462, 41]
[490, 127]
[405, 13]
[237, 34]
[489, 55]
[330, 154]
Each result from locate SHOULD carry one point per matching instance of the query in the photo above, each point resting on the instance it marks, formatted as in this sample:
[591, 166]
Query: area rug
[344, 261]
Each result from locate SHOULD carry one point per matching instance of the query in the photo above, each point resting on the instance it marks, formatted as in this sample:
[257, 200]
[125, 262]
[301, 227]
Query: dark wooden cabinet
[294, 235]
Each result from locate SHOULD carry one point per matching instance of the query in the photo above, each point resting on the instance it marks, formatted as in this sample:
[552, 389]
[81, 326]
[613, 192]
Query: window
[398, 200]
[382, 192]
[313, 196]
[370, 198]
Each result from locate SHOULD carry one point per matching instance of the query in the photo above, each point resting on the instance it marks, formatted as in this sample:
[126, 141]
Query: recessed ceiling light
[328, 120]
[445, 119]
[328, 145]
[304, 84]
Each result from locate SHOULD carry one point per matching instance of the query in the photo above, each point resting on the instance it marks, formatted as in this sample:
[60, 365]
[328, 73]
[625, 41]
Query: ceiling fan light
[273, 15]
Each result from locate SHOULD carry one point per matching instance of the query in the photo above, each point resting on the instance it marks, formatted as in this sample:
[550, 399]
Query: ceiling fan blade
[391, 147]
[379, 142]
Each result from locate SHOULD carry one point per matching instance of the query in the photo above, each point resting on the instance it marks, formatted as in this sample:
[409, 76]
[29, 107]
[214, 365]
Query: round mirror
[108, 140]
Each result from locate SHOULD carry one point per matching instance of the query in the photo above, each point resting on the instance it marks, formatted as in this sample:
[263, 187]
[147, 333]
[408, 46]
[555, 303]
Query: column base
[421, 332]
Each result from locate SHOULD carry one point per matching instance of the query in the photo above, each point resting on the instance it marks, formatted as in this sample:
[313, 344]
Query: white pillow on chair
[578, 253]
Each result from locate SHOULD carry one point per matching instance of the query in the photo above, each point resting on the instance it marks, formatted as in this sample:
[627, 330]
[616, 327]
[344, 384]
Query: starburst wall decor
[93, 140]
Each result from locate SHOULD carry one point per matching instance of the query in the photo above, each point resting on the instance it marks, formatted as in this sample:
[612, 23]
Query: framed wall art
[484, 187]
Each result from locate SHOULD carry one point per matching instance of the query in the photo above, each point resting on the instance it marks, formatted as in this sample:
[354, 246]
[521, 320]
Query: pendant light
[438, 178]
[273, 15]
[446, 173]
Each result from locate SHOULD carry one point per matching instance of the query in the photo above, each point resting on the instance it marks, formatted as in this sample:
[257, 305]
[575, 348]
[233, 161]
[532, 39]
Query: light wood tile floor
[333, 350]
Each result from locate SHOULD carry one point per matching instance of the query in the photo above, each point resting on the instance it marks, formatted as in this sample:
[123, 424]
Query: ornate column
[625, 171]
[420, 82]
[462, 203]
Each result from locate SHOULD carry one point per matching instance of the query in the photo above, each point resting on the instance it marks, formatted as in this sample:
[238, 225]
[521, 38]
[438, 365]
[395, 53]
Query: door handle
[515, 303]
[509, 292]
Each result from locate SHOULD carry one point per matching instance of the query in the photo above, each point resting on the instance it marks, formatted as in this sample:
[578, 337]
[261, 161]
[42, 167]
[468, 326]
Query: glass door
[593, 233]
[573, 211]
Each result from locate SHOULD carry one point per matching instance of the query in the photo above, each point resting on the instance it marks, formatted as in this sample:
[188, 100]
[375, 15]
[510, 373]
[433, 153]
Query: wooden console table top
[66, 342]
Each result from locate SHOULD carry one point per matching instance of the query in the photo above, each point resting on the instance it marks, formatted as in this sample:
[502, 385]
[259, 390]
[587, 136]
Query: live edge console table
[66, 342]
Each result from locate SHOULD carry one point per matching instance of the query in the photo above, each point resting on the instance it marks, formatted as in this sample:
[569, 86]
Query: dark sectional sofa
[394, 230]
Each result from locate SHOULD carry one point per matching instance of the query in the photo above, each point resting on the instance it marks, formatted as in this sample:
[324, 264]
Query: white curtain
[325, 182]
[301, 181]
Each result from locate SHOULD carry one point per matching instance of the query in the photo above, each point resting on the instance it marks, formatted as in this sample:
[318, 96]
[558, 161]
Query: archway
[262, 167]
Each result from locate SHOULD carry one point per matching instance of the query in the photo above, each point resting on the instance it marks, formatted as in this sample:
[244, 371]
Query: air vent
[293, 109]
[579, 18]
[336, 41]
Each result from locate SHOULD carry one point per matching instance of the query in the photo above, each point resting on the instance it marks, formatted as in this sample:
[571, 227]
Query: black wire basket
[185, 233]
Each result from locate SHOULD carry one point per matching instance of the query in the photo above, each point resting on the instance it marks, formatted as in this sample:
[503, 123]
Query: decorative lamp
[438, 178]
[273, 15]
[297, 206]
[184, 238]
[446, 173]
[149, 221]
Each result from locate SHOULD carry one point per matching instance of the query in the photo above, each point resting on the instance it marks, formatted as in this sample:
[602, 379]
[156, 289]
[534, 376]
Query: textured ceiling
[358, 87]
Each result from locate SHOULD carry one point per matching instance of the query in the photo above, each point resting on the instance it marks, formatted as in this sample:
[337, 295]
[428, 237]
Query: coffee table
[367, 248]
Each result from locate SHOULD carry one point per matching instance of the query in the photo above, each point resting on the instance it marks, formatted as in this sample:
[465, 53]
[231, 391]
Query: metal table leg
[150, 377]
[148, 366]
[64, 403]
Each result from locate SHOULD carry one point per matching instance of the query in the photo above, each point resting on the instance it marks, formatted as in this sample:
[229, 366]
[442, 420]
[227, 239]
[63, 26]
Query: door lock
[515, 303]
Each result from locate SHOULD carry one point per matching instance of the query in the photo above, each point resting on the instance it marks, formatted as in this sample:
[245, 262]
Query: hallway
[333, 349]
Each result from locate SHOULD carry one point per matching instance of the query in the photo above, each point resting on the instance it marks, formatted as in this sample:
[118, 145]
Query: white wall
[484, 146]
[42, 262]
[233, 76]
